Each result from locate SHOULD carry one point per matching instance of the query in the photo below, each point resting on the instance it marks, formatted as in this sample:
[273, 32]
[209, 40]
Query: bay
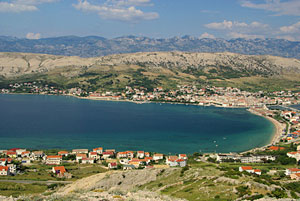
[63, 122]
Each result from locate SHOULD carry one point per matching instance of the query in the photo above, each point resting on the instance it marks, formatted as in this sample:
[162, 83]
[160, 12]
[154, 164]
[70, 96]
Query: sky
[34, 19]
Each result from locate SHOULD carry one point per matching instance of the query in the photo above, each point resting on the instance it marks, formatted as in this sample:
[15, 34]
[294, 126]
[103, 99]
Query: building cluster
[292, 173]
[233, 157]
[33, 87]
[109, 157]
[217, 96]
[208, 95]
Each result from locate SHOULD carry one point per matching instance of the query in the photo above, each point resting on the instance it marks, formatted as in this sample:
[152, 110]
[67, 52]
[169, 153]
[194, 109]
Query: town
[12, 160]
[204, 96]
[274, 164]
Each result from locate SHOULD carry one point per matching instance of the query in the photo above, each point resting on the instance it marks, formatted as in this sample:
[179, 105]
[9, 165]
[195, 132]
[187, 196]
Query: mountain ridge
[93, 46]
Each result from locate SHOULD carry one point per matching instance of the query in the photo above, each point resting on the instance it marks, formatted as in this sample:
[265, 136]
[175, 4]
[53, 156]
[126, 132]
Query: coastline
[279, 127]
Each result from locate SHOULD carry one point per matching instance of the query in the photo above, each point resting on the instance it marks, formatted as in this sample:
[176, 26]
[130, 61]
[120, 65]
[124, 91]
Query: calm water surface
[43, 122]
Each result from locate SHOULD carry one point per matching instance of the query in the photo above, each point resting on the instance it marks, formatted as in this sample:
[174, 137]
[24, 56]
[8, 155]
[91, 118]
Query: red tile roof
[54, 156]
[60, 169]
[5, 168]
[275, 148]
[246, 168]
[294, 169]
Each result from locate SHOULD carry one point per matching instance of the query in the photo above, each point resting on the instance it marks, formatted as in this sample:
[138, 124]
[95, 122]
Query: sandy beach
[279, 129]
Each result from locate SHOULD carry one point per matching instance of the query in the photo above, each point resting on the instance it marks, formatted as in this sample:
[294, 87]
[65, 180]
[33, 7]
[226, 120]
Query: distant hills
[93, 46]
[152, 69]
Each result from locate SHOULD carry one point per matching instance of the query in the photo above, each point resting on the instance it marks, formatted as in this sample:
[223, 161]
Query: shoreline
[279, 127]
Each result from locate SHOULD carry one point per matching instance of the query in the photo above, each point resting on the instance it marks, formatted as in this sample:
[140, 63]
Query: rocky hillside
[16, 64]
[93, 46]
[152, 69]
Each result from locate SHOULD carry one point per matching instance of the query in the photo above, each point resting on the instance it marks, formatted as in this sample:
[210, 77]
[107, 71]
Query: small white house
[4, 170]
[290, 171]
[181, 162]
[112, 165]
[140, 154]
[158, 157]
[87, 161]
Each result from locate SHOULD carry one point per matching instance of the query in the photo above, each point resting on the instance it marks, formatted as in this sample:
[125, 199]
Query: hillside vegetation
[152, 69]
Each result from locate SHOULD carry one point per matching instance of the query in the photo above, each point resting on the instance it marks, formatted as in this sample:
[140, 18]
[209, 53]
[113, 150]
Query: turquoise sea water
[44, 122]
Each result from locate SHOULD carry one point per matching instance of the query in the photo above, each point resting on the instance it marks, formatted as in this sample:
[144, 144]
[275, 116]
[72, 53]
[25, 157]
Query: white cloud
[235, 29]
[33, 36]
[12, 7]
[22, 5]
[133, 2]
[291, 32]
[220, 25]
[289, 7]
[229, 25]
[207, 35]
[123, 10]
[294, 28]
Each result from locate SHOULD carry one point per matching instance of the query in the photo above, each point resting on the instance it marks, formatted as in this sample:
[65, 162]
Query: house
[257, 171]
[112, 165]
[25, 154]
[20, 151]
[111, 150]
[250, 170]
[53, 160]
[290, 171]
[37, 155]
[295, 176]
[11, 154]
[59, 170]
[99, 150]
[87, 160]
[172, 162]
[135, 162]
[12, 168]
[275, 148]
[130, 154]
[107, 154]
[63, 153]
[80, 157]
[147, 154]
[4, 170]
[295, 155]
[2, 161]
[122, 154]
[257, 158]
[157, 157]
[246, 168]
[181, 162]
[148, 159]
[183, 156]
[140, 154]
[94, 155]
[80, 151]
